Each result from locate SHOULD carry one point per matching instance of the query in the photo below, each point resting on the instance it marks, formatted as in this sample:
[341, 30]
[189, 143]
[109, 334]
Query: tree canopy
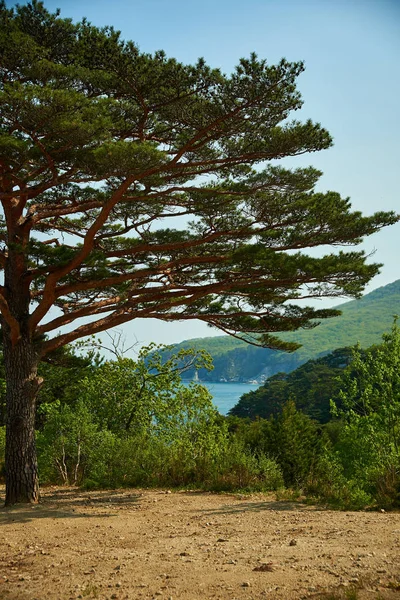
[103, 149]
[101, 142]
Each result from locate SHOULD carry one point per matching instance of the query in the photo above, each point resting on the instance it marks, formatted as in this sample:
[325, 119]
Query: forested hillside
[311, 387]
[362, 321]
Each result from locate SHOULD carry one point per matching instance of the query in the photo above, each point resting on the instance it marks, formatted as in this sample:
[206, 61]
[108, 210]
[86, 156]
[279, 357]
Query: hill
[363, 321]
[311, 386]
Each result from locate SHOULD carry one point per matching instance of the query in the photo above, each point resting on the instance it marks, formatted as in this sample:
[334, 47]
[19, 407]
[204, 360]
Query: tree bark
[23, 384]
[21, 360]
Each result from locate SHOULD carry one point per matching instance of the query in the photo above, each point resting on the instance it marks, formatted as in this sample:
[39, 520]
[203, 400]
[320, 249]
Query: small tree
[370, 395]
[297, 443]
[371, 385]
[99, 144]
[128, 395]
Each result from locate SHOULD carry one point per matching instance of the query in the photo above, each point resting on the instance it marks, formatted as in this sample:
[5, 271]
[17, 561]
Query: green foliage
[102, 143]
[297, 445]
[369, 445]
[147, 394]
[66, 443]
[292, 439]
[137, 424]
[238, 468]
[329, 483]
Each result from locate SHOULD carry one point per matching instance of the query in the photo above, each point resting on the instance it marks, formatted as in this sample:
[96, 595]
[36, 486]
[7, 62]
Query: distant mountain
[362, 321]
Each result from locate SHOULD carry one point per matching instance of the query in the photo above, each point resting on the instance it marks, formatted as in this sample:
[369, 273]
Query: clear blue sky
[351, 85]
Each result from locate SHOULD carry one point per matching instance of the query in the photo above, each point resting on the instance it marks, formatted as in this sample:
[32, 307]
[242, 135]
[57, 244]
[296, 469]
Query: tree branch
[49, 290]
[15, 331]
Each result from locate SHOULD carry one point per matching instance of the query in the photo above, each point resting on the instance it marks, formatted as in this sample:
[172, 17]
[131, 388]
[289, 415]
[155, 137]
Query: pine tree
[100, 144]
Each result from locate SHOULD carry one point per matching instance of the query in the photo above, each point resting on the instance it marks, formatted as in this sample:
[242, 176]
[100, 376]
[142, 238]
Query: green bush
[73, 450]
[239, 468]
[66, 444]
[329, 484]
[369, 442]
[297, 444]
[292, 439]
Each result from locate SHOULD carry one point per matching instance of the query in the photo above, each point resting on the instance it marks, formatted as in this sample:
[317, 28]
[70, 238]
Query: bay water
[226, 395]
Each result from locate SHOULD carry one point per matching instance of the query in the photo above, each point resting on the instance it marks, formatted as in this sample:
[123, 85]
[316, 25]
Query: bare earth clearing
[184, 545]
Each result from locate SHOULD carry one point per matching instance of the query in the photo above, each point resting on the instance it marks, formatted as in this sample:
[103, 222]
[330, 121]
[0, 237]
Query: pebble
[265, 567]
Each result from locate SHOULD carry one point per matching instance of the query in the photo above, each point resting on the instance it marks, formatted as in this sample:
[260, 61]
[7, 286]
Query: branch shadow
[266, 506]
[70, 503]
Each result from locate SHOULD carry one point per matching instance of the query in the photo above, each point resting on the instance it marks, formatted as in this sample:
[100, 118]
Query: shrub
[66, 443]
[239, 468]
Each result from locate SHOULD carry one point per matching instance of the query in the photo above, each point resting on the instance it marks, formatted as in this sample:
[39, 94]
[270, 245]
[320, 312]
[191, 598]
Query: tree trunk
[23, 384]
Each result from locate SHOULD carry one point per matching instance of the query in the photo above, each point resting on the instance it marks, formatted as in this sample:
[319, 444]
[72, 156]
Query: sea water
[226, 395]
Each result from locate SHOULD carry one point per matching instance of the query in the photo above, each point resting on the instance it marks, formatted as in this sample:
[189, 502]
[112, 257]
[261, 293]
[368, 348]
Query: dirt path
[134, 544]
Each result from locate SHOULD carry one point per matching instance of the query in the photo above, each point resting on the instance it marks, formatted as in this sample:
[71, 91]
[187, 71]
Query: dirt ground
[152, 544]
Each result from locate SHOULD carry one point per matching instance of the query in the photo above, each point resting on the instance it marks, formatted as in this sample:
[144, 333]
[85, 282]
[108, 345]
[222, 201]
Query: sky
[351, 85]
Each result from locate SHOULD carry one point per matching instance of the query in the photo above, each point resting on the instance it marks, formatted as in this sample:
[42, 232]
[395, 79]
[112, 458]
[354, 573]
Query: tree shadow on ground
[270, 505]
[63, 503]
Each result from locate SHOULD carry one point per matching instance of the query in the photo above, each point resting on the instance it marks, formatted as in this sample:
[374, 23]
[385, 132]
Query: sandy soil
[123, 545]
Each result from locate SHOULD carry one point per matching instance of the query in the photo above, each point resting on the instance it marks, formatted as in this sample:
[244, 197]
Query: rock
[246, 584]
[293, 543]
[265, 567]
